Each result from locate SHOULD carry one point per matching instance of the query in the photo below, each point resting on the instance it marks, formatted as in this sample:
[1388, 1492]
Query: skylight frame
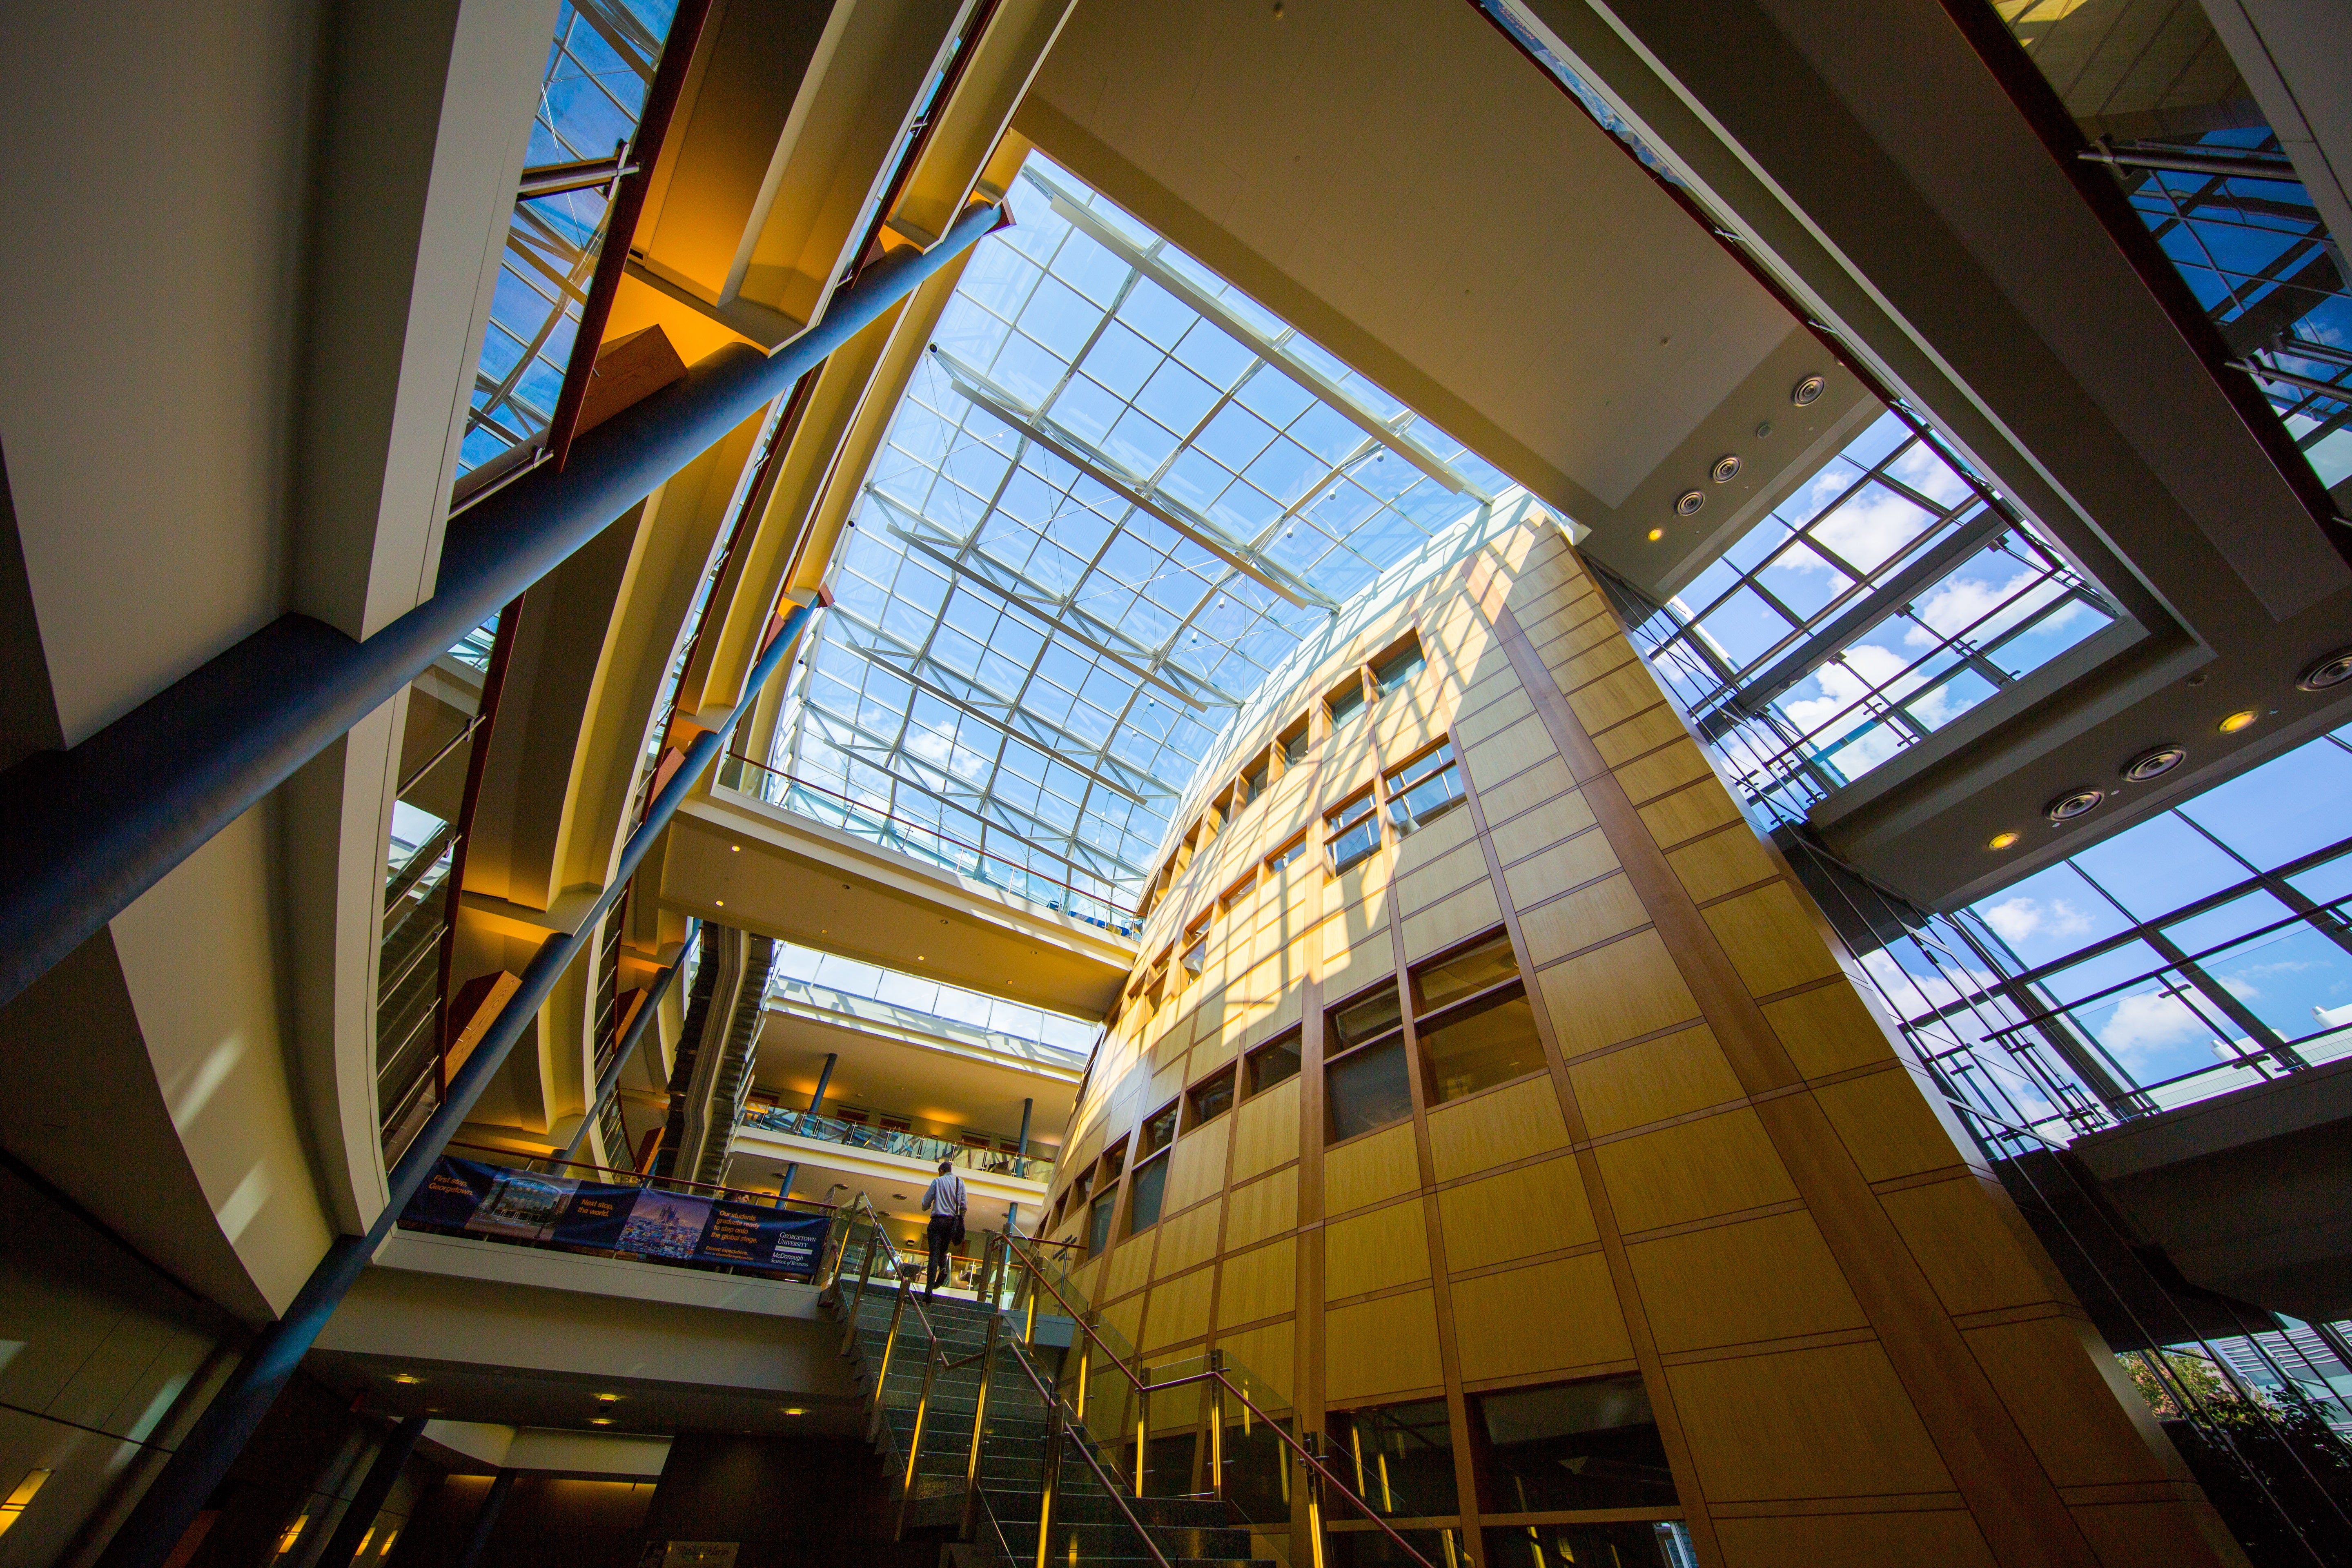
[1037, 588]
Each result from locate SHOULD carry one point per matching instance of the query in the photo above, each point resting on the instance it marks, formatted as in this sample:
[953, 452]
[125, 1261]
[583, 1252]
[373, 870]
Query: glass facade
[1116, 494]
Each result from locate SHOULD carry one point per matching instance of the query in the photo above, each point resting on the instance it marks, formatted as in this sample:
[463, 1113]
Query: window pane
[2287, 807]
[1372, 1016]
[1490, 1045]
[1576, 1446]
[1356, 844]
[1400, 1458]
[2239, 917]
[1489, 964]
[2295, 979]
[1406, 664]
[1150, 1186]
[2050, 914]
[1269, 1065]
[2155, 867]
[1368, 1089]
[1099, 1224]
[1346, 703]
[1158, 1133]
[1212, 1099]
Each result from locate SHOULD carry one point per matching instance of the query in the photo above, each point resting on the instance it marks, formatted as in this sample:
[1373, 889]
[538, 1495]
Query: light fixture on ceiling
[2243, 719]
[1656, 534]
[1688, 503]
[608, 1399]
[2073, 804]
[2002, 841]
[1726, 470]
[1763, 429]
[2329, 669]
[721, 903]
[599, 1421]
[1808, 392]
[2155, 764]
[794, 1410]
[406, 1377]
[735, 848]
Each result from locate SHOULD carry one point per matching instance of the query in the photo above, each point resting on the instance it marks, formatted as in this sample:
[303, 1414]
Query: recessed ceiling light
[608, 1399]
[1656, 534]
[2329, 669]
[1763, 429]
[794, 1410]
[406, 1377]
[1726, 470]
[735, 848]
[1688, 503]
[1809, 391]
[599, 1421]
[722, 903]
[2154, 764]
[2073, 804]
[2000, 841]
[2239, 721]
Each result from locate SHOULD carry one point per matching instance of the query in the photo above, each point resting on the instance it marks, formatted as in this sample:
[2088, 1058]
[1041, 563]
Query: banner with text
[561, 1211]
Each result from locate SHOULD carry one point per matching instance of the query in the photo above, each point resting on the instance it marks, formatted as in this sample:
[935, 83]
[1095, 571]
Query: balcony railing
[906, 1145]
[821, 998]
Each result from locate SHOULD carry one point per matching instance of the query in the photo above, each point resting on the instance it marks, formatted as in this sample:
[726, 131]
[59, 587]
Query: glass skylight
[1116, 494]
[828, 981]
[1875, 605]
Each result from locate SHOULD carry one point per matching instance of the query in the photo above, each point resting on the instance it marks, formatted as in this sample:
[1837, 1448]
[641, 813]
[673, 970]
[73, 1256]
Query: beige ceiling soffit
[1274, 353]
[1209, 243]
[978, 388]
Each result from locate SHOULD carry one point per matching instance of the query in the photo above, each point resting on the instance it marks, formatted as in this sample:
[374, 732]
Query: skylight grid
[1115, 495]
[1877, 605]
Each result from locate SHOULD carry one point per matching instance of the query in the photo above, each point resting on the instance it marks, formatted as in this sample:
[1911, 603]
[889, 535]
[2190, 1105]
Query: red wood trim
[621, 224]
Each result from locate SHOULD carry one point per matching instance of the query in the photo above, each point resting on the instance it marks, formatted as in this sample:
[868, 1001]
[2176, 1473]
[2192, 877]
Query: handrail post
[1142, 1424]
[1051, 1473]
[978, 1425]
[890, 1341]
[858, 1298]
[1311, 1444]
[915, 1443]
[1217, 1426]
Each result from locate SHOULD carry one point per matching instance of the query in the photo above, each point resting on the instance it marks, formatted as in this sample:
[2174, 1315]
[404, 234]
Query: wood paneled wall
[1728, 1175]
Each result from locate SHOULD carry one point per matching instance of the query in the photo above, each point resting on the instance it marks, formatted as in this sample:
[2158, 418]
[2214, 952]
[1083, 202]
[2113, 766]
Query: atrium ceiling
[1117, 493]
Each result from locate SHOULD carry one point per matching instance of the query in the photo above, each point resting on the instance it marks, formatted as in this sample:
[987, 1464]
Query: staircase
[1088, 1524]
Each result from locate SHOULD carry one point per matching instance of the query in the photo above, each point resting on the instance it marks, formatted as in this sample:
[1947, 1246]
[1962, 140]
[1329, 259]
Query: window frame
[1335, 829]
[1396, 788]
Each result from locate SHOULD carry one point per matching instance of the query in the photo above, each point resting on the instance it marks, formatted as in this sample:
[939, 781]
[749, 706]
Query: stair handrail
[1055, 1439]
[1143, 1389]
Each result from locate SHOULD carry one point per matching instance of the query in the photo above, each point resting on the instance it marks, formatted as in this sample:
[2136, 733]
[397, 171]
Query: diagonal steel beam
[1060, 616]
[1094, 466]
[1148, 262]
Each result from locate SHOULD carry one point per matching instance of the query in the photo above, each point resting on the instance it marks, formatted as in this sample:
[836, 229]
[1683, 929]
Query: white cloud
[1872, 527]
[2148, 1023]
[2022, 918]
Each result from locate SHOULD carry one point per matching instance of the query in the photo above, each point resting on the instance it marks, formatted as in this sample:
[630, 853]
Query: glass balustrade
[891, 1141]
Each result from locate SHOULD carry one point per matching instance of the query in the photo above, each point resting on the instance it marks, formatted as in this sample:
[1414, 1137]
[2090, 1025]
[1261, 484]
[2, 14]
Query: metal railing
[887, 1140]
[865, 1008]
[923, 842]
